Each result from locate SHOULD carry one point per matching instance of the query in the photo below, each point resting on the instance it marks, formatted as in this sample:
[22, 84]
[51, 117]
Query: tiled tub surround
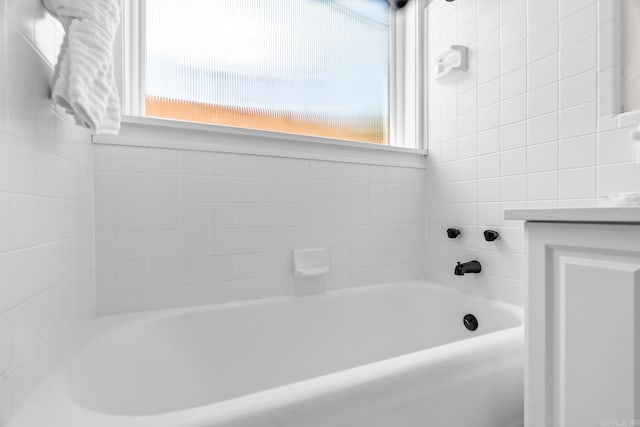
[529, 126]
[46, 211]
[180, 228]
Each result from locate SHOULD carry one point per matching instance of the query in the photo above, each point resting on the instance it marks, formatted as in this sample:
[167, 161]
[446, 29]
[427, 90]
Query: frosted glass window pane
[312, 67]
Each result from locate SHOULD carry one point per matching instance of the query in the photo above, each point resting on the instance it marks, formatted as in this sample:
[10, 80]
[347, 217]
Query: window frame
[407, 109]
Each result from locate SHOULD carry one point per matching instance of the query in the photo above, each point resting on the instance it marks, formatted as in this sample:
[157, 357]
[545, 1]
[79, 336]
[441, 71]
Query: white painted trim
[395, 65]
[610, 74]
[133, 56]
[173, 134]
[611, 114]
[406, 81]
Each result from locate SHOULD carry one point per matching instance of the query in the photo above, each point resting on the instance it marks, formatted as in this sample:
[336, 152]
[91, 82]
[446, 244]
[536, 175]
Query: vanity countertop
[600, 215]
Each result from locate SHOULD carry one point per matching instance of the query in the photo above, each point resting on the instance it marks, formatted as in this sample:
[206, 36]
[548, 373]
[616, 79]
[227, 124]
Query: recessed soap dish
[310, 263]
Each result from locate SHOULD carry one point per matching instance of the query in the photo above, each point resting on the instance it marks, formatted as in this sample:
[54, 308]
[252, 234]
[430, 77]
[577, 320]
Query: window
[340, 69]
[311, 67]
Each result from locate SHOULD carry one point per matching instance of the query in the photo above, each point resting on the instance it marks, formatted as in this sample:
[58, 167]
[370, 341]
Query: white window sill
[172, 134]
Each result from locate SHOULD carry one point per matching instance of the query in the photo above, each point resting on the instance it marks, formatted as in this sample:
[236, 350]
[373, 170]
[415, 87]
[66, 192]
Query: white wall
[180, 228]
[521, 129]
[46, 210]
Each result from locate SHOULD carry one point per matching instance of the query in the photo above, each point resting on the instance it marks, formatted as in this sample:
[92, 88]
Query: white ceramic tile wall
[180, 228]
[520, 130]
[46, 210]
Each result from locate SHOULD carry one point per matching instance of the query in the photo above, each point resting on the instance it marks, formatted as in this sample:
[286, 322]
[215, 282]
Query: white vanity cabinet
[582, 317]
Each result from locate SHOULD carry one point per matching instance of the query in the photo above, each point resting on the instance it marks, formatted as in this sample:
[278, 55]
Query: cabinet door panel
[595, 340]
[583, 325]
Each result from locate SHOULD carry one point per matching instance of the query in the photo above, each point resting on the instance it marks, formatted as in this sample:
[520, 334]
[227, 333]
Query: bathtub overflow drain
[470, 322]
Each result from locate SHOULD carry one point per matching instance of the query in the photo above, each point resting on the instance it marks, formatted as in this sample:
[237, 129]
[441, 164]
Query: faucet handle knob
[491, 235]
[453, 233]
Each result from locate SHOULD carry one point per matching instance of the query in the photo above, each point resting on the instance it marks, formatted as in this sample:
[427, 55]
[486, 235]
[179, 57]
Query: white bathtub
[389, 355]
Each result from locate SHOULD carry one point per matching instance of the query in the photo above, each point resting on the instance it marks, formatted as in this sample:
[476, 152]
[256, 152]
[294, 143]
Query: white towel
[84, 82]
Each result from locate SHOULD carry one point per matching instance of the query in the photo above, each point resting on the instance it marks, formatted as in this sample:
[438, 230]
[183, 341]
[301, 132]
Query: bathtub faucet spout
[467, 267]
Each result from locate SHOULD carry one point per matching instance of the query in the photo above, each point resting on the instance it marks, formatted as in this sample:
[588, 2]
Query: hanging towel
[83, 81]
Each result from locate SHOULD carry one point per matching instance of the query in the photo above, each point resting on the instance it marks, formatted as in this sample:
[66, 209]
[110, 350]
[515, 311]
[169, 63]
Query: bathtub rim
[52, 396]
[104, 324]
